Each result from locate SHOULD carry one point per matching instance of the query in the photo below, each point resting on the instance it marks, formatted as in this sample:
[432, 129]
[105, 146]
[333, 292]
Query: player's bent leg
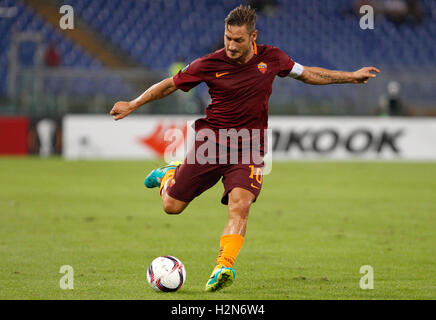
[159, 178]
[232, 239]
[171, 205]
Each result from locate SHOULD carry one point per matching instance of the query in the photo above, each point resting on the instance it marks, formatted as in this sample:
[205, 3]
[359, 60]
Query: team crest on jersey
[263, 67]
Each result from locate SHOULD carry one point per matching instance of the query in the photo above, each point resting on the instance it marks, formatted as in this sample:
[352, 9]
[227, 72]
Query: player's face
[238, 42]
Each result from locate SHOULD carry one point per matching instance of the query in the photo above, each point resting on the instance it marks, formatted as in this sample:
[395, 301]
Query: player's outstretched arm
[157, 91]
[320, 76]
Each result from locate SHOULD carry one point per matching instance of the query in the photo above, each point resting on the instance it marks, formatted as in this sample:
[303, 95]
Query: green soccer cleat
[155, 177]
[221, 277]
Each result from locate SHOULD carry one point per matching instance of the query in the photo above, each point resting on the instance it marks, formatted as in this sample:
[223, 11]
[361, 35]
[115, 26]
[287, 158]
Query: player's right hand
[121, 109]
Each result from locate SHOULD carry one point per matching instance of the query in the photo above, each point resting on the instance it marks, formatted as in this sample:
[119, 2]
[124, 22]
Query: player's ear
[254, 36]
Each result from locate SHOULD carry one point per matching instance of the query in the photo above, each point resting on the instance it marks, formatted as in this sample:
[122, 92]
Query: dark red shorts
[191, 180]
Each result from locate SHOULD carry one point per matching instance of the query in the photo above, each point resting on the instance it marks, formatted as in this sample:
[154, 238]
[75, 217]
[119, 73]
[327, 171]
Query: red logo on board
[263, 67]
[156, 141]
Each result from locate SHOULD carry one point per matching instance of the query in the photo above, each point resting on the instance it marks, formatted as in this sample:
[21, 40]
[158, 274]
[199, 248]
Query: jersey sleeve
[286, 63]
[189, 77]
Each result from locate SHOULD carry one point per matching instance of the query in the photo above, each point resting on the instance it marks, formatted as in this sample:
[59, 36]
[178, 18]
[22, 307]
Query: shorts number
[259, 175]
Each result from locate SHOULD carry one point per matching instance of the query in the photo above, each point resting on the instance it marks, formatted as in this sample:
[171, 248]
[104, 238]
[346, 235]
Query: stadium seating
[309, 32]
[156, 32]
[26, 20]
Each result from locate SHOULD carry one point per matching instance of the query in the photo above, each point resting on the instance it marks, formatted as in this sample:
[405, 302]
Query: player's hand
[364, 74]
[121, 109]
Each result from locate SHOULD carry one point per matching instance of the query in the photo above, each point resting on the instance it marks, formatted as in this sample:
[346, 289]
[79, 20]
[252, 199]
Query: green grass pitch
[313, 227]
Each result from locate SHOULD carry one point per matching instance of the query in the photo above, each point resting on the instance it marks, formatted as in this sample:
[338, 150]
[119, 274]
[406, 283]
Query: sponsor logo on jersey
[263, 67]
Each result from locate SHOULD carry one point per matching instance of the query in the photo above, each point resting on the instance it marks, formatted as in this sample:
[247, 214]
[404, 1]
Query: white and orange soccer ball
[166, 274]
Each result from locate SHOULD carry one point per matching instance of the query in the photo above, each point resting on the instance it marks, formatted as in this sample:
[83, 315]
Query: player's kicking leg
[159, 178]
[232, 239]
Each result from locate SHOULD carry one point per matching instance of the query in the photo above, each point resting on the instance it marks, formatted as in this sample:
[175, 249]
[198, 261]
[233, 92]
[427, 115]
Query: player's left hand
[364, 74]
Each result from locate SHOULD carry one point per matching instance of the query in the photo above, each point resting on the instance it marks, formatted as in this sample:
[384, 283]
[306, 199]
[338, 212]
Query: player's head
[240, 32]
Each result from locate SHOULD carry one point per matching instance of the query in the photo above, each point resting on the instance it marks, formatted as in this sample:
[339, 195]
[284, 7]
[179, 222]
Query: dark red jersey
[239, 92]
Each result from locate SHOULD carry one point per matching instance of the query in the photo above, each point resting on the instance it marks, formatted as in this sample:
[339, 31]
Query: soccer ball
[166, 274]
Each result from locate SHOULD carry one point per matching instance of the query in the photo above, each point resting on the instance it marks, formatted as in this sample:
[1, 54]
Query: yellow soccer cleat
[221, 277]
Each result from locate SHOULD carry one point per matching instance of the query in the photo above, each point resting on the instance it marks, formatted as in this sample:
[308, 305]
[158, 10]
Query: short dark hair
[242, 15]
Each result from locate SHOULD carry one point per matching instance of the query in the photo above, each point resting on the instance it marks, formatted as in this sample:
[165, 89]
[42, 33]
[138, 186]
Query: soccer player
[239, 77]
